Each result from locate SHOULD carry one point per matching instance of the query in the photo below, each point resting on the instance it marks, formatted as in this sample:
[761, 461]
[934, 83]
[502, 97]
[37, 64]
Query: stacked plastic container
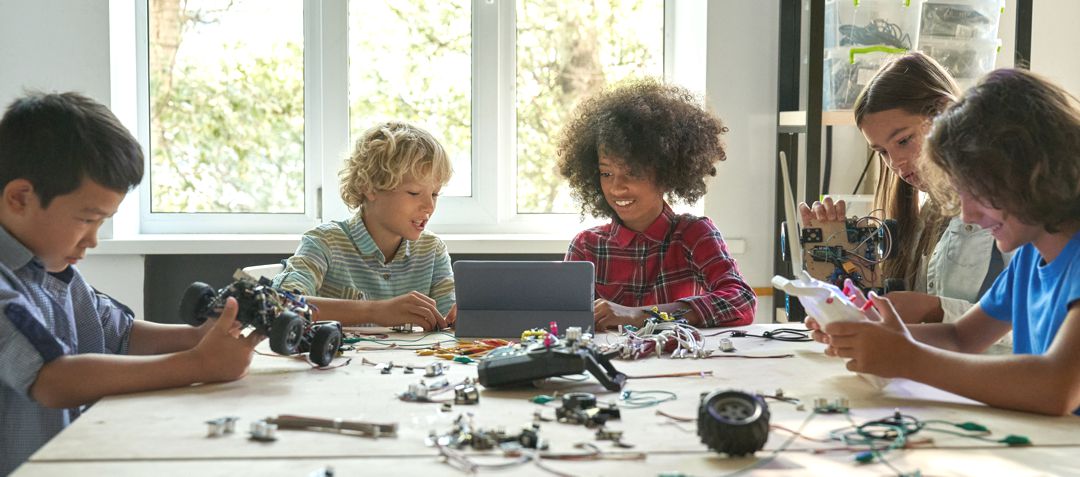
[859, 36]
[962, 36]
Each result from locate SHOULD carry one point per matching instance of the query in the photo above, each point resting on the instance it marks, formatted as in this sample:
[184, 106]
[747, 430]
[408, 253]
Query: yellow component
[425, 352]
[449, 356]
[534, 333]
[662, 315]
[849, 267]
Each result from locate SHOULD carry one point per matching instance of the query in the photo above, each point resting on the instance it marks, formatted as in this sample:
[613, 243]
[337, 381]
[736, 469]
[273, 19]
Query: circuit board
[855, 248]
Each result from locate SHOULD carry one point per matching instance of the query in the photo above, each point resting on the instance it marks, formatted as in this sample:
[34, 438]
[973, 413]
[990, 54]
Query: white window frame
[492, 206]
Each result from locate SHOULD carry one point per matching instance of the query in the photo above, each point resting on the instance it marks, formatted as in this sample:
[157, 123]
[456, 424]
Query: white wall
[54, 45]
[740, 85]
[1054, 42]
[119, 276]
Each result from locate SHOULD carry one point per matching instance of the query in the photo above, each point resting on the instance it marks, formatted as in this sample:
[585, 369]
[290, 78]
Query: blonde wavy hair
[385, 154]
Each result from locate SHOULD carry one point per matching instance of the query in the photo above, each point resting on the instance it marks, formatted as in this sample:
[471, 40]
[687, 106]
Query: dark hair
[916, 84]
[660, 130]
[1013, 141]
[56, 140]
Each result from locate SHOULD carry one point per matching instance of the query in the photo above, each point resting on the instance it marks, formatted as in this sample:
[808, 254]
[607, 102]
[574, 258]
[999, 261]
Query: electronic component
[466, 394]
[466, 434]
[433, 369]
[582, 408]
[286, 318]
[658, 336]
[263, 431]
[853, 249]
[836, 406]
[220, 426]
[523, 363]
[733, 422]
[726, 346]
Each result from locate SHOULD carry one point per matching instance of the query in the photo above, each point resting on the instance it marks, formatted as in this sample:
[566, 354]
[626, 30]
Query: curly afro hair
[659, 130]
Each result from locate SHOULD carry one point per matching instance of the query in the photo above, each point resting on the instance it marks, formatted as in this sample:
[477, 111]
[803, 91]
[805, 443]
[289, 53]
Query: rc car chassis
[286, 318]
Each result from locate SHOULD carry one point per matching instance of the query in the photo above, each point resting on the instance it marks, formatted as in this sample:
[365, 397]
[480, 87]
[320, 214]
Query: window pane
[410, 60]
[567, 51]
[227, 106]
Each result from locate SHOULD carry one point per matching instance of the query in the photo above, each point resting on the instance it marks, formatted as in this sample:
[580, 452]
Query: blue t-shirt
[1035, 296]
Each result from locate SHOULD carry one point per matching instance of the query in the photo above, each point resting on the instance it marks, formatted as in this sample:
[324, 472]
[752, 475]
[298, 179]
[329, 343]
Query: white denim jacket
[957, 270]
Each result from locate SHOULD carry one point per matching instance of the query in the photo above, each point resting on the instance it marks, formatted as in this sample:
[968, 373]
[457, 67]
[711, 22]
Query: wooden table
[164, 432]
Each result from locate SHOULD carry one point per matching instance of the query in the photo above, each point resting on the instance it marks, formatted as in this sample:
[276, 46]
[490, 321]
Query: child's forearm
[70, 381]
[1004, 381]
[938, 335]
[972, 333]
[347, 312]
[155, 338]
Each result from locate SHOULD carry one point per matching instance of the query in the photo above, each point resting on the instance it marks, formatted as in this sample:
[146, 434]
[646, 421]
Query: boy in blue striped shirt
[381, 266]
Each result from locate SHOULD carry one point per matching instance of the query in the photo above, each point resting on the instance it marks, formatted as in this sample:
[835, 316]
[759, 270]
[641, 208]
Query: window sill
[208, 244]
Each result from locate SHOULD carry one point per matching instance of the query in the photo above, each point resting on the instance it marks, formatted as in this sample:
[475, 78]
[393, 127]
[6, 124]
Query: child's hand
[210, 323]
[875, 347]
[611, 315]
[451, 316]
[816, 332]
[222, 354]
[826, 211]
[412, 308]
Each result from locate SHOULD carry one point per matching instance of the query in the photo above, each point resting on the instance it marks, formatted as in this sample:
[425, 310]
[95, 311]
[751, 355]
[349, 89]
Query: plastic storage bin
[848, 69]
[961, 19]
[892, 23]
[966, 60]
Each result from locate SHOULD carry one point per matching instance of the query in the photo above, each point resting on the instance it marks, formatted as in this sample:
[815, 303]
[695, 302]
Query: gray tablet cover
[500, 299]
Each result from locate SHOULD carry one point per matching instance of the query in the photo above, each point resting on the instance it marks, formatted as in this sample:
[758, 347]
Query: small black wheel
[733, 422]
[194, 304]
[286, 332]
[578, 401]
[325, 344]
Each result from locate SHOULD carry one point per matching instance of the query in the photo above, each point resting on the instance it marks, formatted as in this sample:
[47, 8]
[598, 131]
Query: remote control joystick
[523, 363]
[828, 304]
[823, 301]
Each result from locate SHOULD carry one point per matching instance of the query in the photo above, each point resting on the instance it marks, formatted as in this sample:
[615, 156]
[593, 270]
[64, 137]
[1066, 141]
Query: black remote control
[521, 364]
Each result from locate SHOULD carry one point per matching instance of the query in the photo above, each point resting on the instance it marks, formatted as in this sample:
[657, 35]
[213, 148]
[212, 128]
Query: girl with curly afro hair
[628, 151]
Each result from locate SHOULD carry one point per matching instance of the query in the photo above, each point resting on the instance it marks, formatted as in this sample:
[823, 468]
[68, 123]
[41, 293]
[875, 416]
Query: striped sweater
[339, 259]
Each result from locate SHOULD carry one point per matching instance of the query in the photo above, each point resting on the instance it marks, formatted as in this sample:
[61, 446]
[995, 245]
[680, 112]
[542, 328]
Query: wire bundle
[656, 337]
[878, 32]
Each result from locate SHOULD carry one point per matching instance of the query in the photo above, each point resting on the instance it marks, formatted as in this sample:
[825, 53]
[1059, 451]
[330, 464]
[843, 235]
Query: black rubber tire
[286, 333]
[578, 401]
[325, 344]
[733, 422]
[193, 305]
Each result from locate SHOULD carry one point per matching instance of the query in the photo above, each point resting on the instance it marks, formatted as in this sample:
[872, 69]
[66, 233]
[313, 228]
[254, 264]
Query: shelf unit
[793, 121]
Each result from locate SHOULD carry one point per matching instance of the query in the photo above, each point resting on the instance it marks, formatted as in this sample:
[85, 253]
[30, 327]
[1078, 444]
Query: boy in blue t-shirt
[1011, 148]
[65, 165]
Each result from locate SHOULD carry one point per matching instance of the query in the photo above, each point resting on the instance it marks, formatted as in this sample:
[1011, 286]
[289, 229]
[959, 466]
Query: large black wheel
[194, 304]
[733, 422]
[325, 343]
[286, 332]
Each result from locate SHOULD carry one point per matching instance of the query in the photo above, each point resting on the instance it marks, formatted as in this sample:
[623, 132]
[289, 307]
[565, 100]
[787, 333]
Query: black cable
[779, 334]
[877, 32]
[827, 173]
[864, 169]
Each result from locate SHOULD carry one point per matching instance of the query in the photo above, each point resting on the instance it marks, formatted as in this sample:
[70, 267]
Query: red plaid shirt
[678, 258]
